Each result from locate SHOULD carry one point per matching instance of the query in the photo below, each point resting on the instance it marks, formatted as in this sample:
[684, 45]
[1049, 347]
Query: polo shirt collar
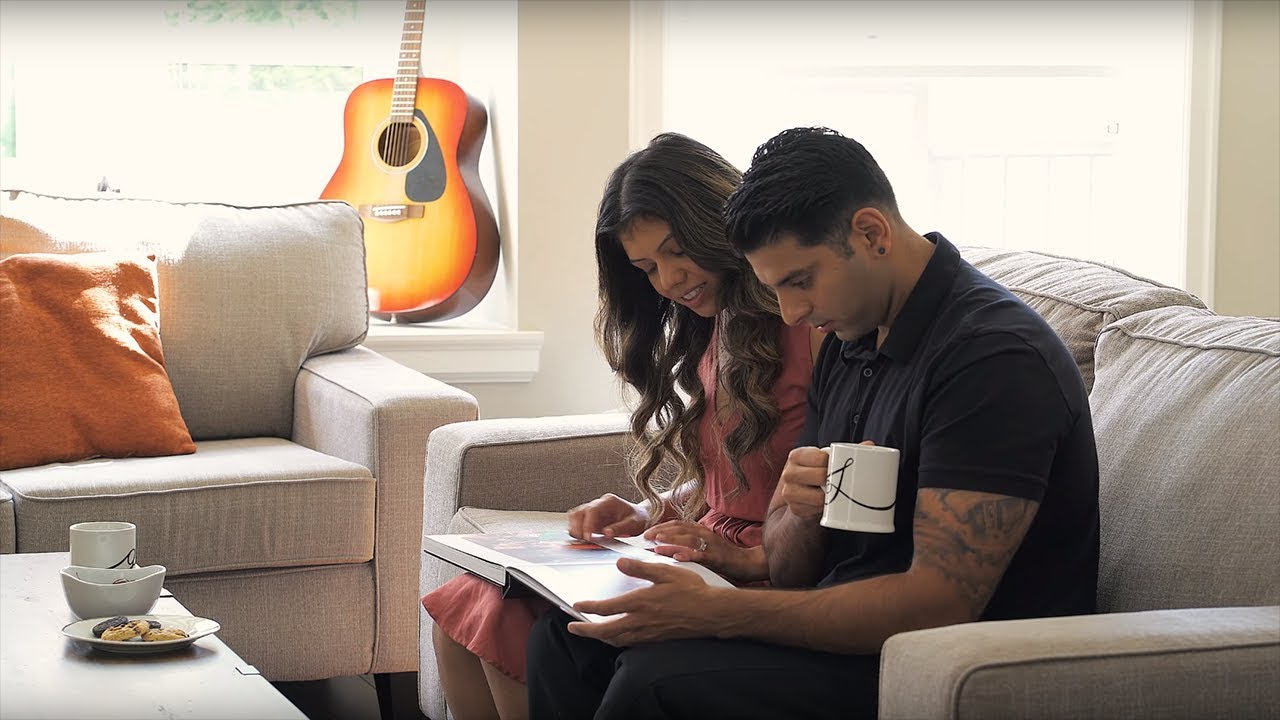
[918, 312]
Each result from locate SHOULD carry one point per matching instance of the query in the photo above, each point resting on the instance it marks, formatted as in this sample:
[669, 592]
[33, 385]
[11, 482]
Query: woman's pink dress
[473, 612]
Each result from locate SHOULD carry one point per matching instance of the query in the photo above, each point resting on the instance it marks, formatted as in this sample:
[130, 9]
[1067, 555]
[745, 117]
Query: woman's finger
[697, 542]
[575, 522]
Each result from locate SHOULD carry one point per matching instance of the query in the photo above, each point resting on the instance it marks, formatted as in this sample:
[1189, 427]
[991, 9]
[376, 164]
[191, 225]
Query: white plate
[196, 627]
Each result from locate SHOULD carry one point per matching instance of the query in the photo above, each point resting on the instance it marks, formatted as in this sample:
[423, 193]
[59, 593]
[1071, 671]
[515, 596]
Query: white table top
[43, 674]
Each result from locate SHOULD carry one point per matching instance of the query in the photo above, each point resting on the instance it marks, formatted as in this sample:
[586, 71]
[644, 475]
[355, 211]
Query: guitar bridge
[390, 213]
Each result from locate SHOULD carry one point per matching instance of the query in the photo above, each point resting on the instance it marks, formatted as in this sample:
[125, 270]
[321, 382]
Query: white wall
[1247, 260]
[574, 116]
[473, 42]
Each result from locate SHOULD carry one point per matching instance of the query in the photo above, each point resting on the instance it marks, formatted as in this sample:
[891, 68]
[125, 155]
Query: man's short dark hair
[808, 183]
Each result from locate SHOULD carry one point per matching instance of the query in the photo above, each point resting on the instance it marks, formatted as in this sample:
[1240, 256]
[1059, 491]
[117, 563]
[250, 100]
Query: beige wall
[574, 116]
[1247, 258]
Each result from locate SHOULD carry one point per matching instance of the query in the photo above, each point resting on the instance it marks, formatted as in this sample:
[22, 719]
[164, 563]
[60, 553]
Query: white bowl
[94, 592]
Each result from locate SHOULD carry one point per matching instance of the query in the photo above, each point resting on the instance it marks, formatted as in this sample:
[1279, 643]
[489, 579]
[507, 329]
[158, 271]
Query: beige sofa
[296, 523]
[1185, 411]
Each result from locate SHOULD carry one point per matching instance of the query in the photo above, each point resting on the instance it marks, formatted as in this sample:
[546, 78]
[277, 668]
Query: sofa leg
[386, 703]
[398, 696]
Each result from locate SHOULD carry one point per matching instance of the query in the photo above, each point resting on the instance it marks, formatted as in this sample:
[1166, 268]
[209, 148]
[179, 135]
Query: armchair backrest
[246, 294]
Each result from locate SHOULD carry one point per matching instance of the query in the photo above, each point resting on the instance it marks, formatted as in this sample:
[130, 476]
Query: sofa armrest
[544, 464]
[360, 406]
[548, 464]
[1192, 663]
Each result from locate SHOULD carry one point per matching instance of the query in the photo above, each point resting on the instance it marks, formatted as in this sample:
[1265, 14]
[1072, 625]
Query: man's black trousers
[576, 678]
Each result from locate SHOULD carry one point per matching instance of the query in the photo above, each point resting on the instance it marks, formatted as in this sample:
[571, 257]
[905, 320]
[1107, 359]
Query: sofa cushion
[248, 293]
[469, 520]
[234, 505]
[1076, 297]
[82, 372]
[1185, 413]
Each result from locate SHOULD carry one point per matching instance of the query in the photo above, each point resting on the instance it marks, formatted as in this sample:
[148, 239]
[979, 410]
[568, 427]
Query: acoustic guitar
[409, 165]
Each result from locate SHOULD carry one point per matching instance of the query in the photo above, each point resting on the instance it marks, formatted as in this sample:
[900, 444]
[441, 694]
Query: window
[235, 101]
[214, 100]
[1051, 126]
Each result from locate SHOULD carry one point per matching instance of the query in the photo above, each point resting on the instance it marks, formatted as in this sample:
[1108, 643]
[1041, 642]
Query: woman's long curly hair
[654, 344]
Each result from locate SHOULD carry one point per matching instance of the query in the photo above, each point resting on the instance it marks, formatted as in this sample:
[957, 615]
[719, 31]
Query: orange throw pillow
[81, 370]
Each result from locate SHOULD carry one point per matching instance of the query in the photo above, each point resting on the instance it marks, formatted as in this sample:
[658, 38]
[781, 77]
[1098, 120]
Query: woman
[680, 313]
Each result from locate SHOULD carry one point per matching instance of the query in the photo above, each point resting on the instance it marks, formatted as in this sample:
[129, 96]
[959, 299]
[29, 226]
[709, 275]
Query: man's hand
[802, 486]
[608, 515]
[678, 605]
[691, 542]
[794, 543]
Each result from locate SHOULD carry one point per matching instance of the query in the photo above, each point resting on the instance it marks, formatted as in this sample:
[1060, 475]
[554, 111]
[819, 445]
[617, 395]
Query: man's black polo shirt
[978, 393]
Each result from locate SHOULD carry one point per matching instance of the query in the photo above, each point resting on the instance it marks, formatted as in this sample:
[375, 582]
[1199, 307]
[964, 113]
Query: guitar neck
[404, 92]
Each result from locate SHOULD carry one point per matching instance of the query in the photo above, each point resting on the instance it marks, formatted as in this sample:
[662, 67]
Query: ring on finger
[702, 545]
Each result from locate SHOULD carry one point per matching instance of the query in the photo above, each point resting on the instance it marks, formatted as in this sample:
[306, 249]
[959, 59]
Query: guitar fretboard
[404, 92]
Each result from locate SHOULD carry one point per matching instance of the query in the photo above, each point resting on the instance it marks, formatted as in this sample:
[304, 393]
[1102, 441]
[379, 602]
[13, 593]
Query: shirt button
[866, 372]
[856, 418]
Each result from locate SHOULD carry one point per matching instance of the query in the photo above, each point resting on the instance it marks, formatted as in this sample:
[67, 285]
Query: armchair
[296, 522]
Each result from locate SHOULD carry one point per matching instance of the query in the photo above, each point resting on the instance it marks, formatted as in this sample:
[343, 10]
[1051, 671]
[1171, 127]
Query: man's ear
[872, 232]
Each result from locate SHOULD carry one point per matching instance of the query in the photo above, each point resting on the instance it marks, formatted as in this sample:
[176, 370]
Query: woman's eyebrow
[665, 240]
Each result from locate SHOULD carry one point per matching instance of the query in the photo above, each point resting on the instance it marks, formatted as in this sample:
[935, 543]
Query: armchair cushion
[82, 373]
[8, 526]
[236, 505]
[249, 293]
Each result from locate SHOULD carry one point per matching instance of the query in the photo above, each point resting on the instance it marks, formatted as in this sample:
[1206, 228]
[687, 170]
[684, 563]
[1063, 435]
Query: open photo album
[561, 568]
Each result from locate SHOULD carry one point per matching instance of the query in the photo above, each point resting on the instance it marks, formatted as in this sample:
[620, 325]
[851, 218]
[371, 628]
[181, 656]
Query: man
[997, 500]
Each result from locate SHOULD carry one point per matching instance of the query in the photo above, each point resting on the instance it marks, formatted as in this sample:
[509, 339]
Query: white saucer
[196, 628]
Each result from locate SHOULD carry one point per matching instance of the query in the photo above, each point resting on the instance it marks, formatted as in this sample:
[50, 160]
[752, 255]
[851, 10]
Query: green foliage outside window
[240, 78]
[229, 78]
[265, 78]
[262, 12]
[8, 114]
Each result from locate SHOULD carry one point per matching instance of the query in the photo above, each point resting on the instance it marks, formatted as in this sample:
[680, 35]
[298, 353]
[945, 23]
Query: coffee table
[43, 674]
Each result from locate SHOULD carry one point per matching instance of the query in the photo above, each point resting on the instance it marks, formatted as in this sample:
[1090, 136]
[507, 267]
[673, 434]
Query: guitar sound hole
[399, 144]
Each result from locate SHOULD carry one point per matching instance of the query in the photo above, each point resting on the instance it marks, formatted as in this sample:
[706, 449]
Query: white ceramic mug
[862, 487]
[104, 545]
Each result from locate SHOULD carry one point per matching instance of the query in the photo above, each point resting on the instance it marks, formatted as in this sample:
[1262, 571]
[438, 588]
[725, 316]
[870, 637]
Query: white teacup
[104, 545]
[862, 488]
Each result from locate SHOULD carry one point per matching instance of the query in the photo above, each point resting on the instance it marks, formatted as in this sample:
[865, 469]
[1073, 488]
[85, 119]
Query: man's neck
[912, 252]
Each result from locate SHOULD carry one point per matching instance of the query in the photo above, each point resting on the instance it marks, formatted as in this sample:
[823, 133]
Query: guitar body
[431, 241]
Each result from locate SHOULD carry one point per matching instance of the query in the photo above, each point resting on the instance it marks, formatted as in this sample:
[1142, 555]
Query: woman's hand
[690, 542]
[608, 515]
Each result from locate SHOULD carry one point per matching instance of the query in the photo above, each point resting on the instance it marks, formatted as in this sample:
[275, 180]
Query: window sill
[459, 354]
